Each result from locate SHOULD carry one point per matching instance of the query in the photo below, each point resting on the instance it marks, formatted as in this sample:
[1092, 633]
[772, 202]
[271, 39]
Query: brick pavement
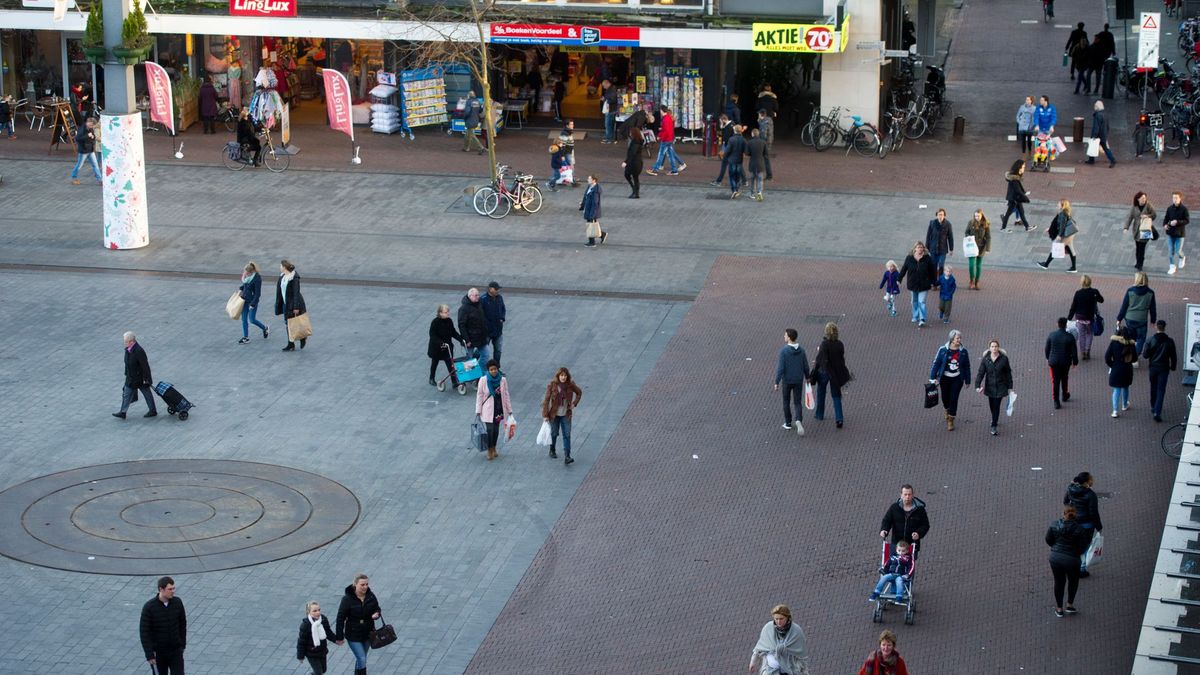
[702, 513]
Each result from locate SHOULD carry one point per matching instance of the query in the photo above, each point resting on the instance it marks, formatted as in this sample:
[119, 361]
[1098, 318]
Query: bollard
[1077, 129]
[960, 126]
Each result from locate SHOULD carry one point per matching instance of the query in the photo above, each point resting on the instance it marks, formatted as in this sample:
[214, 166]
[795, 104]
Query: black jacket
[1087, 506]
[293, 301]
[472, 324]
[494, 312]
[137, 367]
[441, 332]
[633, 154]
[1083, 303]
[1076, 42]
[1016, 189]
[1119, 358]
[251, 290]
[735, 149]
[1109, 42]
[756, 147]
[995, 376]
[163, 627]
[1160, 351]
[1067, 541]
[1177, 213]
[1100, 126]
[903, 523]
[939, 237]
[304, 643]
[1061, 349]
[920, 273]
[85, 140]
[354, 620]
[831, 360]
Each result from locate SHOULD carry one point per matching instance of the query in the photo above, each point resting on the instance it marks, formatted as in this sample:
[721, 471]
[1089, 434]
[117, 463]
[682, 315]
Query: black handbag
[931, 394]
[383, 636]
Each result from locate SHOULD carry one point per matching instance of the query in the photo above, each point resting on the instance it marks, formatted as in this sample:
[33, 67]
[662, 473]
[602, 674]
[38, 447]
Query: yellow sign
[641, 84]
[800, 38]
[594, 49]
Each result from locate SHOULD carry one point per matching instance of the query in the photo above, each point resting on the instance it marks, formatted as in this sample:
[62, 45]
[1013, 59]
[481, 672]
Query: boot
[553, 454]
[1087, 356]
[491, 454]
[360, 671]
[949, 422]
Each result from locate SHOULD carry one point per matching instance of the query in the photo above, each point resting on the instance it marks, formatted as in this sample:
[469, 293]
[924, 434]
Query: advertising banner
[337, 101]
[539, 34]
[800, 38]
[159, 85]
[263, 7]
[1190, 349]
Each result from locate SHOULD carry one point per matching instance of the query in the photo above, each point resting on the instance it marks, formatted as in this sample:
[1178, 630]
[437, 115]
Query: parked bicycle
[1149, 134]
[893, 134]
[236, 157]
[860, 136]
[497, 199]
[1172, 438]
[228, 116]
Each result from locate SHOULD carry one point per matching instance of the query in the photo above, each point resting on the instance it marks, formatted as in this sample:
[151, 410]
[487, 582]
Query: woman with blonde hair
[1084, 310]
[829, 372]
[780, 647]
[442, 335]
[251, 292]
[981, 229]
[1062, 230]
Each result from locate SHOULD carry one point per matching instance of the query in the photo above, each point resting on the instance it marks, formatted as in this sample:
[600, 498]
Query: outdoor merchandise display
[683, 92]
[385, 114]
[424, 100]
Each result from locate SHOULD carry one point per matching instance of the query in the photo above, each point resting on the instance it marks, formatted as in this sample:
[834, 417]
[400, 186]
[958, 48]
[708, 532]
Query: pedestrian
[493, 404]
[1066, 541]
[137, 378]
[1100, 132]
[590, 205]
[251, 292]
[557, 162]
[885, 660]
[1017, 197]
[1081, 497]
[921, 273]
[1138, 310]
[951, 368]
[725, 130]
[735, 152]
[1077, 42]
[633, 161]
[560, 92]
[733, 108]
[947, 285]
[666, 145]
[1087, 64]
[558, 405]
[1120, 357]
[891, 286]
[85, 150]
[1025, 125]
[441, 345]
[566, 141]
[830, 372]
[1045, 116]
[981, 229]
[766, 129]
[939, 240]
[288, 301]
[994, 380]
[1110, 43]
[6, 116]
[1175, 224]
[163, 629]
[472, 325]
[610, 105]
[1083, 311]
[1161, 359]
[768, 101]
[494, 312]
[1141, 221]
[781, 646]
[756, 148]
[1062, 231]
[1062, 354]
[208, 105]
[905, 519]
[472, 117]
[791, 370]
[356, 618]
[313, 641]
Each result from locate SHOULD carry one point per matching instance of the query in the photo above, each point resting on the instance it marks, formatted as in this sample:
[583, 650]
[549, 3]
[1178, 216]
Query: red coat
[666, 132]
[869, 666]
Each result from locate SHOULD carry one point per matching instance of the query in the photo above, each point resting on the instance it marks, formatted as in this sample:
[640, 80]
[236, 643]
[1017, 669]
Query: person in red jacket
[666, 145]
[885, 660]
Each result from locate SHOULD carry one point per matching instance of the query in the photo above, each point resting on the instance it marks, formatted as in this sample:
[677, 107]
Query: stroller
[908, 601]
[1045, 150]
[466, 370]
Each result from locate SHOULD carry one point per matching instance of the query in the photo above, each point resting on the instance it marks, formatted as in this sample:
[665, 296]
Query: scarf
[787, 651]
[494, 382]
[562, 393]
[318, 631]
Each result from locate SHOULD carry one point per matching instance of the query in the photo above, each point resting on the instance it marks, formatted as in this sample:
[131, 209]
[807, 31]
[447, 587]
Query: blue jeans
[127, 397]
[1174, 248]
[724, 166]
[835, 392]
[1139, 329]
[889, 579]
[483, 353]
[610, 126]
[86, 157]
[248, 313]
[360, 650]
[939, 261]
[555, 176]
[497, 343]
[561, 423]
[735, 176]
[1118, 392]
[8, 127]
[1158, 389]
[918, 305]
[666, 151]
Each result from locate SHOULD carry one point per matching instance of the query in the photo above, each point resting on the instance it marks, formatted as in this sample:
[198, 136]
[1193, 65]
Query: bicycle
[861, 136]
[1149, 134]
[228, 116]
[1172, 438]
[1180, 137]
[236, 158]
[893, 138]
[496, 200]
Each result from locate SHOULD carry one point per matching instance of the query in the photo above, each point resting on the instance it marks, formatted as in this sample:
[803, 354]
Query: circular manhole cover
[171, 516]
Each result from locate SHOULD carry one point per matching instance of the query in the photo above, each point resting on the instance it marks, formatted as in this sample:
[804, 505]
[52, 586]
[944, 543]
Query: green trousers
[974, 266]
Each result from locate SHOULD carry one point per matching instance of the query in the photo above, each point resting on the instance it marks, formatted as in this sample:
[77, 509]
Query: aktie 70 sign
[803, 38]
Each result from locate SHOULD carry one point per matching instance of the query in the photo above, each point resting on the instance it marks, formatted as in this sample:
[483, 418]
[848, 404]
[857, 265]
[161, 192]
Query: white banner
[46, 4]
[1191, 344]
[1148, 32]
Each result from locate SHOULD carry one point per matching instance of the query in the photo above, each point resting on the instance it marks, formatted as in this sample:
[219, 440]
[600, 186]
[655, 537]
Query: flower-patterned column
[124, 169]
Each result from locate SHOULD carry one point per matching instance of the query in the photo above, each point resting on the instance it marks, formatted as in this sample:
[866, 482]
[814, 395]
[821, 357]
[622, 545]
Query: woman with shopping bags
[994, 380]
[290, 304]
[251, 292]
[1141, 221]
[492, 405]
[981, 231]
[562, 395]
[951, 368]
[1062, 234]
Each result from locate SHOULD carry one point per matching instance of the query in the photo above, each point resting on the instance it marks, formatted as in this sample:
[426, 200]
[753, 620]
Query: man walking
[766, 129]
[666, 145]
[756, 147]
[939, 239]
[1162, 358]
[610, 104]
[905, 519]
[726, 131]
[472, 325]
[1061, 354]
[85, 149]
[137, 378]
[163, 629]
[493, 313]
[735, 152]
[471, 120]
[1077, 43]
[1175, 223]
[792, 371]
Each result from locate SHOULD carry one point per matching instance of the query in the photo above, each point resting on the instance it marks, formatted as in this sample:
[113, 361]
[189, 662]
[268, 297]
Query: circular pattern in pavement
[171, 516]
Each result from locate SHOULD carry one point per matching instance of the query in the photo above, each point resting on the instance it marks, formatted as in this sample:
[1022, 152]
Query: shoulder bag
[382, 636]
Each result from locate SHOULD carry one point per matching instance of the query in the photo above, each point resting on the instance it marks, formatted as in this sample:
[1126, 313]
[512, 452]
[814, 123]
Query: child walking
[891, 286]
[946, 294]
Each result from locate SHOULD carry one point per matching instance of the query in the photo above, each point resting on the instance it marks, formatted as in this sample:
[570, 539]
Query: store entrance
[795, 81]
[586, 70]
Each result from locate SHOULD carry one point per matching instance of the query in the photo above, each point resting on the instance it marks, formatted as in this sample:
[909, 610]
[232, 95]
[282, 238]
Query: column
[849, 79]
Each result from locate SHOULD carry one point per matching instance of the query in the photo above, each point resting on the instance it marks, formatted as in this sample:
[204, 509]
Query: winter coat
[666, 133]
[472, 324]
[137, 367]
[792, 366]
[485, 403]
[163, 628]
[757, 149]
[947, 360]
[1119, 359]
[1100, 126]
[1083, 303]
[1062, 226]
[768, 101]
[983, 236]
[493, 312]
[766, 130]
[939, 237]
[590, 205]
[1067, 541]
[902, 524]
[1044, 118]
[633, 152]
[294, 300]
[1180, 214]
[1016, 190]
[1025, 117]
[1061, 349]
[995, 375]
[1139, 306]
[354, 616]
[251, 290]
[1133, 220]
[553, 399]
[304, 643]
[1087, 505]
[1076, 41]
[831, 361]
[947, 285]
[921, 273]
[735, 149]
[208, 100]
[441, 332]
[890, 282]
[85, 140]
[896, 667]
[1160, 352]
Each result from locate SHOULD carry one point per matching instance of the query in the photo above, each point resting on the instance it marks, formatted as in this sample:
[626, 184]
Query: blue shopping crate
[467, 369]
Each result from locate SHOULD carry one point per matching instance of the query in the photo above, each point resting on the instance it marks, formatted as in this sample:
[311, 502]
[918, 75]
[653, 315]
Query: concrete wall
[851, 79]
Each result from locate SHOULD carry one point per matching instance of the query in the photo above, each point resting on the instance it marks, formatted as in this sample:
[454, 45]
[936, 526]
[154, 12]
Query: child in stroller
[897, 570]
[1044, 151]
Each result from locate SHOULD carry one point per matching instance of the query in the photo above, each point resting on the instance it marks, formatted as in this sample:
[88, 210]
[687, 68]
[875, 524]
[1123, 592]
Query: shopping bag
[1093, 147]
[810, 399]
[544, 436]
[566, 175]
[479, 435]
[1073, 327]
[510, 427]
[1098, 325]
[1058, 250]
[931, 394]
[593, 229]
[1095, 551]
[1012, 398]
[1059, 145]
[299, 328]
[970, 248]
[234, 306]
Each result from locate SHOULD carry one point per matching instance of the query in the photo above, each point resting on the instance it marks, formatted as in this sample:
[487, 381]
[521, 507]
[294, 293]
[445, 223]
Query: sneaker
[603, 237]
[266, 332]
[1031, 228]
[1114, 414]
[893, 312]
[590, 244]
[921, 324]
[945, 320]
[243, 341]
[568, 461]
[735, 195]
[872, 597]
[799, 428]
[1058, 612]
[1043, 265]
[652, 172]
[1070, 610]
[993, 430]
[75, 181]
[1125, 407]
[715, 183]
[1171, 269]
[673, 173]
[1182, 262]
[787, 425]
[681, 168]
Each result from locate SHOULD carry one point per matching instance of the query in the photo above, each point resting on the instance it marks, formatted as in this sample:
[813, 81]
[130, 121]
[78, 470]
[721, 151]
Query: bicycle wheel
[1172, 440]
[1173, 141]
[1186, 146]
[230, 122]
[480, 199]
[230, 158]
[865, 141]
[915, 127]
[275, 161]
[885, 145]
[496, 205]
[806, 135]
[825, 136]
[531, 199]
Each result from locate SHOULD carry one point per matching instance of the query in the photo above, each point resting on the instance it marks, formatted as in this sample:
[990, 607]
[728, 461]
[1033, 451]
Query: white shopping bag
[1012, 398]
[970, 247]
[810, 399]
[1058, 250]
[510, 428]
[544, 437]
[1093, 147]
[1095, 551]
[1073, 328]
[566, 175]
[1059, 145]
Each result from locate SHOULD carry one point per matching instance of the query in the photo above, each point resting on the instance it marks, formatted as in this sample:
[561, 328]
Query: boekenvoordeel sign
[263, 7]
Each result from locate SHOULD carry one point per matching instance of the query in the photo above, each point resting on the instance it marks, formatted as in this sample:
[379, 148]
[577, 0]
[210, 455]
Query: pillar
[126, 222]
[851, 79]
[927, 29]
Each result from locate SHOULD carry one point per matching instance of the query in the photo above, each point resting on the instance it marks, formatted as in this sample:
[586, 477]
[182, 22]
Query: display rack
[683, 92]
[385, 113]
[423, 98]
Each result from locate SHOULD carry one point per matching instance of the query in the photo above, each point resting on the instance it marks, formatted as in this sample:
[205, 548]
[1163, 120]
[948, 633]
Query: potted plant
[135, 38]
[93, 35]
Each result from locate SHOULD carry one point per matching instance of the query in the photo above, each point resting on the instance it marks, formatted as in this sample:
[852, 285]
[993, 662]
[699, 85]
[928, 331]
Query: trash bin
[960, 125]
[1077, 130]
[1108, 77]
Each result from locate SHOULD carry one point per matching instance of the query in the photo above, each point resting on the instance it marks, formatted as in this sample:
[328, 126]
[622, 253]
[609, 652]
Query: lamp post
[126, 224]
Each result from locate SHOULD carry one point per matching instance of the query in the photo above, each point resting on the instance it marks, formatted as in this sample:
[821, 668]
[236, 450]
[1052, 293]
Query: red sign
[819, 38]
[337, 102]
[263, 7]
[609, 36]
[159, 85]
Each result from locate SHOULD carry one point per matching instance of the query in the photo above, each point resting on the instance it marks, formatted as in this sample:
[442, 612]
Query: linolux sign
[263, 7]
[591, 36]
[800, 38]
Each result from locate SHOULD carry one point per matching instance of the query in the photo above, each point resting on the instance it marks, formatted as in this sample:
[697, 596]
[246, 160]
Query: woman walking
[830, 372]
[781, 646]
[921, 273]
[981, 229]
[562, 395]
[1083, 311]
[442, 335]
[1119, 358]
[288, 300]
[492, 404]
[1066, 541]
[1138, 310]
[1062, 230]
[356, 619]
[590, 205]
[885, 660]
[1083, 499]
[994, 380]
[1025, 125]
[1141, 221]
[251, 292]
[1017, 197]
[951, 368]
[313, 641]
[1100, 133]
